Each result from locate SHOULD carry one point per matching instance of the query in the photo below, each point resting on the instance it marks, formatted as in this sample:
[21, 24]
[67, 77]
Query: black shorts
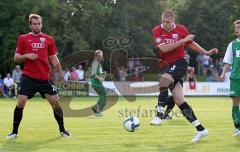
[177, 69]
[29, 86]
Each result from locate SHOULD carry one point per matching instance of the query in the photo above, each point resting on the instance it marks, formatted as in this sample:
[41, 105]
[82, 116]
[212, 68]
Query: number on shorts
[54, 88]
[173, 67]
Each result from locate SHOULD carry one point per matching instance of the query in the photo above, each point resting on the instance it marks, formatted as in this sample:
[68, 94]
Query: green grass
[39, 132]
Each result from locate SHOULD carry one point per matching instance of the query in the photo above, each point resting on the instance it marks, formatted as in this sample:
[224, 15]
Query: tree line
[87, 24]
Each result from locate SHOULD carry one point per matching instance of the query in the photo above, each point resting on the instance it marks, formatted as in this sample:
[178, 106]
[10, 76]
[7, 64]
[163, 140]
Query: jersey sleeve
[228, 55]
[20, 45]
[186, 33]
[158, 39]
[52, 50]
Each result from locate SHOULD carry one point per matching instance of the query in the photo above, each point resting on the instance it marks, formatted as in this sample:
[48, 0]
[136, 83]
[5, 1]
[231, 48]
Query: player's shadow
[17, 145]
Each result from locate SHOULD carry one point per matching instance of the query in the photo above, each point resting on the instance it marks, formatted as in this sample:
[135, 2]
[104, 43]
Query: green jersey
[232, 57]
[96, 70]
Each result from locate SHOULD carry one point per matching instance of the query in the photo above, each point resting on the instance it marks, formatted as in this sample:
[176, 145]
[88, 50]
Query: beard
[36, 31]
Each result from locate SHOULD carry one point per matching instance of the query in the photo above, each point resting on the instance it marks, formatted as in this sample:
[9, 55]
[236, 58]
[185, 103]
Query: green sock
[236, 116]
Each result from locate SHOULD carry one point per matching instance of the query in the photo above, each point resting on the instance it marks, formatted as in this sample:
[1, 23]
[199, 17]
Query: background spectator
[74, 75]
[206, 64]
[80, 73]
[122, 73]
[16, 75]
[66, 74]
[131, 64]
[136, 76]
[9, 88]
[1, 85]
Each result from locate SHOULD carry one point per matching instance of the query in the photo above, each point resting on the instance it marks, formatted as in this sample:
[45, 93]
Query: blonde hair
[168, 13]
[35, 16]
[97, 52]
[237, 22]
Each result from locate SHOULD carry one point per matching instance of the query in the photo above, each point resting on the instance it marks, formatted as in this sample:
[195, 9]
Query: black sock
[163, 96]
[190, 116]
[18, 112]
[58, 114]
[170, 105]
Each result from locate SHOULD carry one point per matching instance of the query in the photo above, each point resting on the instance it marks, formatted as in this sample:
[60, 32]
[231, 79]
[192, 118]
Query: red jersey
[160, 36]
[44, 46]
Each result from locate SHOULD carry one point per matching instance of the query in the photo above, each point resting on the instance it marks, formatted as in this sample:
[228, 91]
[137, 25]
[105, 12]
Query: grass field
[39, 131]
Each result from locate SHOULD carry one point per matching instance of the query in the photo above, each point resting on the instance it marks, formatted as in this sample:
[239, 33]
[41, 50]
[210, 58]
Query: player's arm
[226, 68]
[22, 58]
[194, 46]
[227, 62]
[171, 46]
[56, 64]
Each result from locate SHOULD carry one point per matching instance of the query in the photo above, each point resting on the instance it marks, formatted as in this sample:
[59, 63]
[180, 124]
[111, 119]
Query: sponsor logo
[42, 39]
[37, 45]
[167, 41]
[158, 40]
[175, 36]
[237, 53]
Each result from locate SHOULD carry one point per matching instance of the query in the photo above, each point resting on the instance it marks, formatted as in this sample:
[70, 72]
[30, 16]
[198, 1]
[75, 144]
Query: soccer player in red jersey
[171, 38]
[35, 50]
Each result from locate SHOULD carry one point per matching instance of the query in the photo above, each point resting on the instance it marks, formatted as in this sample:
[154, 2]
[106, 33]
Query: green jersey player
[232, 58]
[97, 76]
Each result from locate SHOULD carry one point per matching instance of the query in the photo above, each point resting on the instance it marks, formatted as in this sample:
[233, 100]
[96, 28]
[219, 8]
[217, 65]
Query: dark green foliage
[86, 24]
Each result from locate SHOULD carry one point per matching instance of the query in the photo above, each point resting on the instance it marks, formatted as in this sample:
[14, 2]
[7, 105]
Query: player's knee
[165, 83]
[21, 101]
[235, 101]
[53, 100]
[178, 102]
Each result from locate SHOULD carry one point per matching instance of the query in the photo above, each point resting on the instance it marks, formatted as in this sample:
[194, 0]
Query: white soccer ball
[131, 124]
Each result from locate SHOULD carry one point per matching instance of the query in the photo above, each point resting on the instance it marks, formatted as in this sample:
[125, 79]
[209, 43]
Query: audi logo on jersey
[167, 41]
[38, 45]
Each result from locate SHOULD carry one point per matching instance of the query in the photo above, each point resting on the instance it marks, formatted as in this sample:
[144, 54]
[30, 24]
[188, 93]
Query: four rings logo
[37, 45]
[169, 41]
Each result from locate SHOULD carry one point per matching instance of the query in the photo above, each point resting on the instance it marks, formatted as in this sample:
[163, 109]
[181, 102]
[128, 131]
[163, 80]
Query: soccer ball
[131, 123]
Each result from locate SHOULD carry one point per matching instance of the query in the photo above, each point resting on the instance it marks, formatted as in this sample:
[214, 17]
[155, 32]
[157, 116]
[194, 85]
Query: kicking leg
[188, 112]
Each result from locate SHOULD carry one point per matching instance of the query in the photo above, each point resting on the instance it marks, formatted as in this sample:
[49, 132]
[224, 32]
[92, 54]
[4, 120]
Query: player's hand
[191, 69]
[104, 74]
[32, 56]
[188, 38]
[213, 51]
[222, 77]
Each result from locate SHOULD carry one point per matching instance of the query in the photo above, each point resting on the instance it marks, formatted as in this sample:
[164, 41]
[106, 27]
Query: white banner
[152, 89]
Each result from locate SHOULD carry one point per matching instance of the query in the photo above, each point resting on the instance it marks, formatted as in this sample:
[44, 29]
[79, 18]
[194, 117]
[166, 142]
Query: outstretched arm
[194, 46]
